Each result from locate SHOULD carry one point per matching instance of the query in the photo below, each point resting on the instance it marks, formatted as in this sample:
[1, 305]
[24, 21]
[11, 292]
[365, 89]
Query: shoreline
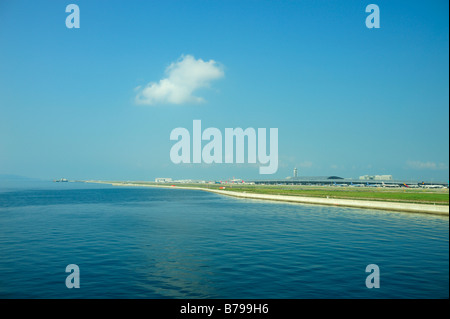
[442, 210]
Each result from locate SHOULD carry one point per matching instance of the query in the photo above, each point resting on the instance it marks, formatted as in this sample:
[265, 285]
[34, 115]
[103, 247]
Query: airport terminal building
[369, 181]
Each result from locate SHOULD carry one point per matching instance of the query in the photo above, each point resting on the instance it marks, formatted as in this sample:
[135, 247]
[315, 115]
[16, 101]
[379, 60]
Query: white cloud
[305, 164]
[426, 165]
[183, 77]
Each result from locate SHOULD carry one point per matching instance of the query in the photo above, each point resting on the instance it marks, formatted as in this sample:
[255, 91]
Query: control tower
[295, 173]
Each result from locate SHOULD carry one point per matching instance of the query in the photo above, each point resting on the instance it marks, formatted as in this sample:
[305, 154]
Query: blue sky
[347, 100]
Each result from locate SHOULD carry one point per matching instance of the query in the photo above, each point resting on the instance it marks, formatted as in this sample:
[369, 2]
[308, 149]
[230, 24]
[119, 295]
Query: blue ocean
[139, 242]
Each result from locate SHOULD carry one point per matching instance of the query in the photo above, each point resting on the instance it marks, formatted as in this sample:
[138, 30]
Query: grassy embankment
[404, 195]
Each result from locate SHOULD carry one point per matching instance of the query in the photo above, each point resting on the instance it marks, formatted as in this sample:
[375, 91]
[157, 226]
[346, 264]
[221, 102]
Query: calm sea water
[170, 243]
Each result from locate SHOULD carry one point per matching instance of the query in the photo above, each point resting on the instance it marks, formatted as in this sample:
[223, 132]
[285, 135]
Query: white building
[376, 177]
[163, 180]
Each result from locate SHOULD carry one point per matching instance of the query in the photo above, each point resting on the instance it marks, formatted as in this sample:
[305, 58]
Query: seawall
[382, 205]
[391, 206]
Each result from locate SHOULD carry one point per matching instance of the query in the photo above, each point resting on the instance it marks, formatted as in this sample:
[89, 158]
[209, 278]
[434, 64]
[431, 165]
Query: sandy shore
[383, 205]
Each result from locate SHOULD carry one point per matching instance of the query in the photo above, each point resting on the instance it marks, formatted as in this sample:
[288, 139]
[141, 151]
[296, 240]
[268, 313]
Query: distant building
[376, 177]
[163, 180]
[295, 172]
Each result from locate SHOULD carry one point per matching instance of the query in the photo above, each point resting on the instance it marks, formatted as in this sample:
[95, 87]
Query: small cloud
[426, 165]
[183, 78]
[305, 164]
[340, 167]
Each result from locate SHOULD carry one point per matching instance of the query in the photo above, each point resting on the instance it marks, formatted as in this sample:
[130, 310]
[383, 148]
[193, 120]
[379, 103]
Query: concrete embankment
[391, 206]
[383, 205]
